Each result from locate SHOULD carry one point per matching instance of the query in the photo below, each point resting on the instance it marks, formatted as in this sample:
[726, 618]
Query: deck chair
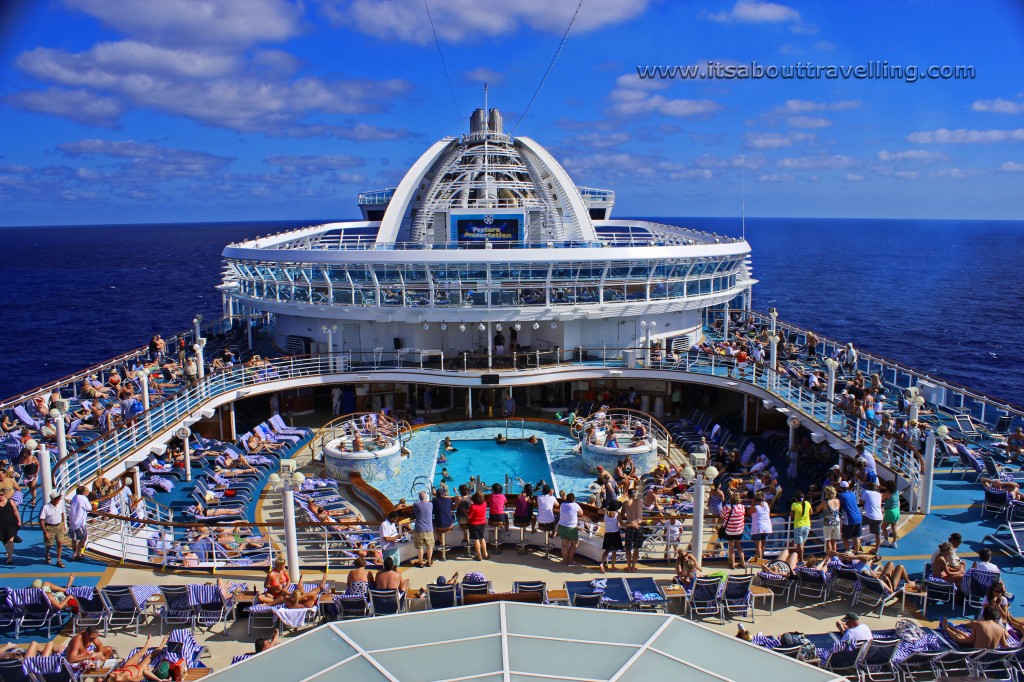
[50, 669]
[385, 602]
[918, 665]
[811, 582]
[705, 599]
[260, 616]
[92, 612]
[34, 610]
[647, 594]
[998, 664]
[531, 586]
[8, 613]
[1010, 537]
[210, 606]
[177, 610]
[736, 596]
[876, 663]
[473, 588]
[966, 427]
[790, 651]
[955, 662]
[442, 596]
[936, 589]
[122, 608]
[874, 593]
[182, 643]
[351, 606]
[12, 670]
[996, 501]
[241, 657]
[587, 601]
[844, 657]
[975, 586]
[1014, 512]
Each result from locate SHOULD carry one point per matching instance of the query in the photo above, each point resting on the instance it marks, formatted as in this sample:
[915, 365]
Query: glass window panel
[356, 669]
[452, 659]
[564, 659]
[653, 666]
[304, 656]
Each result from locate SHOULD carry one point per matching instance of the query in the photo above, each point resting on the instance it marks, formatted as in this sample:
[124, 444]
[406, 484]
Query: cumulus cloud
[600, 140]
[76, 104]
[312, 165]
[484, 75]
[809, 121]
[853, 177]
[745, 161]
[776, 178]
[206, 86]
[752, 12]
[965, 136]
[458, 20]
[692, 174]
[776, 140]
[634, 96]
[998, 106]
[910, 155]
[833, 162]
[213, 22]
[1012, 166]
[959, 173]
[149, 162]
[802, 106]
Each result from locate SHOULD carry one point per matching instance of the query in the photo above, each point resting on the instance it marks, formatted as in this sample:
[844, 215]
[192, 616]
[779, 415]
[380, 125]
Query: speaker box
[489, 379]
[398, 343]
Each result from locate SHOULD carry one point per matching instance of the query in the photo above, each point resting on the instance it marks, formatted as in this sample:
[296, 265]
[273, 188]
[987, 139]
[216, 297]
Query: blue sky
[124, 111]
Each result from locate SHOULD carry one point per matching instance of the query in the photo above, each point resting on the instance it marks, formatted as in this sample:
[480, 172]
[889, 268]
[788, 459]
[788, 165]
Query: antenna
[743, 196]
[487, 111]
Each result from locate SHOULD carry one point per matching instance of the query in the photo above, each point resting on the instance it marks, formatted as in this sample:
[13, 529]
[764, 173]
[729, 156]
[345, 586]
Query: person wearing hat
[612, 544]
[852, 630]
[53, 521]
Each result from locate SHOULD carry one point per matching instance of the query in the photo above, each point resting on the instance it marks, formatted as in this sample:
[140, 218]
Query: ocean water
[941, 296]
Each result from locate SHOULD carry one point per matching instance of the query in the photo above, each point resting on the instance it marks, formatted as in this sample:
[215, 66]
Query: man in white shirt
[78, 517]
[672, 528]
[853, 630]
[52, 521]
[984, 562]
[546, 509]
[389, 537]
[872, 510]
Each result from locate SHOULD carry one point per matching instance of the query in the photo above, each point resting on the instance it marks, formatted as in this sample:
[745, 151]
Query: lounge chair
[473, 588]
[875, 593]
[177, 610]
[966, 427]
[996, 501]
[385, 602]
[34, 610]
[736, 596]
[50, 669]
[92, 611]
[876, 662]
[918, 665]
[999, 664]
[585, 600]
[122, 607]
[531, 586]
[12, 670]
[351, 606]
[810, 582]
[210, 606]
[1010, 537]
[844, 657]
[442, 596]
[705, 599]
[647, 594]
[955, 662]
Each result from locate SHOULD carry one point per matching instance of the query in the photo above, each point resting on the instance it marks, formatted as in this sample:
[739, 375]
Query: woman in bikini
[136, 667]
[275, 584]
[300, 599]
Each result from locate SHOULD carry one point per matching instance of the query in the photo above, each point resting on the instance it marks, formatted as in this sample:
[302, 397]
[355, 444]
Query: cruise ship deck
[487, 294]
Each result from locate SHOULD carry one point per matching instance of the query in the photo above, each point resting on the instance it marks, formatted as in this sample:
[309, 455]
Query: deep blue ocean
[940, 296]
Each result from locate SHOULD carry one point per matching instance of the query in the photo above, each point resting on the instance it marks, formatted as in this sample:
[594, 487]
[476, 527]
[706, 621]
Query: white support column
[291, 540]
[43, 455]
[469, 402]
[697, 538]
[725, 322]
[231, 422]
[794, 424]
[200, 361]
[774, 376]
[248, 327]
[830, 389]
[188, 458]
[490, 348]
[136, 482]
[928, 475]
[144, 381]
[915, 407]
[647, 343]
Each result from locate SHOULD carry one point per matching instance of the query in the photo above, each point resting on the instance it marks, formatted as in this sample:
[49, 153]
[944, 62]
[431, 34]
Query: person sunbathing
[214, 512]
[320, 511]
[890, 574]
[686, 568]
[56, 595]
[256, 444]
[275, 584]
[300, 599]
[788, 560]
[238, 462]
[136, 667]
[946, 566]
[986, 633]
[1009, 486]
[86, 647]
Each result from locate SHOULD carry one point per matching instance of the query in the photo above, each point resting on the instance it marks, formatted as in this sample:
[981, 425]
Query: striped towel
[142, 593]
[43, 665]
[241, 657]
[765, 641]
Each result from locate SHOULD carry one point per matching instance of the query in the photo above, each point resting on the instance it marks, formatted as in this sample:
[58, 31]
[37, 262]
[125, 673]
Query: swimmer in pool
[448, 445]
[532, 440]
[445, 476]
[501, 439]
[441, 459]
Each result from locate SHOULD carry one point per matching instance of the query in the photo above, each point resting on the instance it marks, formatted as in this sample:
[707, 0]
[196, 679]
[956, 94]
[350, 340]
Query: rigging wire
[558, 51]
[437, 42]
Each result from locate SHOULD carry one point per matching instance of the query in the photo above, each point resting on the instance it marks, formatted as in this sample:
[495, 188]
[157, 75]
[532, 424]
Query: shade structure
[511, 641]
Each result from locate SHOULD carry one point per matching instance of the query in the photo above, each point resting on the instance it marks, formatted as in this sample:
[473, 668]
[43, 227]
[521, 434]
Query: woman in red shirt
[478, 526]
[496, 502]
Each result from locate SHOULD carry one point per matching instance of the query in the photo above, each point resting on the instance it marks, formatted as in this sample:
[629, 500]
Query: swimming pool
[480, 456]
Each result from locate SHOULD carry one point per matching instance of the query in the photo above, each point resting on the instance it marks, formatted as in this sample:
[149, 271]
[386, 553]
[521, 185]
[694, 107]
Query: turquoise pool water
[479, 455]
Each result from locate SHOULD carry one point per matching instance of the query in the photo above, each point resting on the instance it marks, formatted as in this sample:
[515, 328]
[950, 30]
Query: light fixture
[298, 478]
[517, 326]
[554, 325]
[536, 326]
[54, 414]
[141, 375]
[654, 324]
[323, 328]
[942, 431]
[711, 473]
[919, 401]
[481, 326]
[773, 312]
[688, 472]
[274, 480]
[462, 327]
[444, 326]
[426, 326]
[497, 327]
[643, 324]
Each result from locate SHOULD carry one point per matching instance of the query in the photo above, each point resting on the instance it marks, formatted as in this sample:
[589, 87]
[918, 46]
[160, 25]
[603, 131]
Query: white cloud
[746, 161]
[633, 96]
[147, 162]
[484, 75]
[212, 22]
[198, 83]
[906, 175]
[910, 155]
[753, 12]
[311, 165]
[965, 136]
[776, 140]
[776, 178]
[457, 20]
[692, 174]
[853, 177]
[834, 162]
[802, 106]
[600, 140]
[1012, 166]
[998, 106]
[78, 105]
[960, 173]
[809, 121]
